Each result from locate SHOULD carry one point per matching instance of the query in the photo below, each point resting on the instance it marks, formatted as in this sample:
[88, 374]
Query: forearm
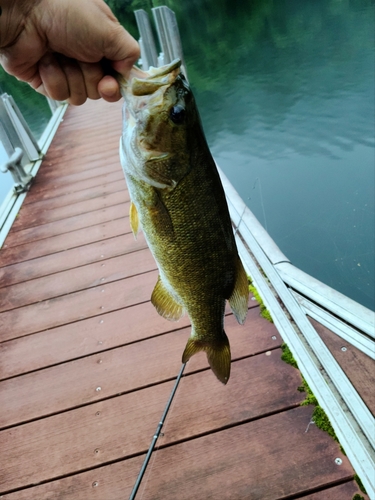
[12, 19]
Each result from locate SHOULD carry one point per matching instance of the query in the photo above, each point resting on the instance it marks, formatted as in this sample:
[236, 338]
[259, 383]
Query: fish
[178, 201]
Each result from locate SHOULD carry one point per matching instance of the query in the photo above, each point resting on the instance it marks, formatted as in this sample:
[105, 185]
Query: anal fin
[240, 296]
[164, 303]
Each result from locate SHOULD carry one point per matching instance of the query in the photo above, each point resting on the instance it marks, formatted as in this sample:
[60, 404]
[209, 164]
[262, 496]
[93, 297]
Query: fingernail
[109, 92]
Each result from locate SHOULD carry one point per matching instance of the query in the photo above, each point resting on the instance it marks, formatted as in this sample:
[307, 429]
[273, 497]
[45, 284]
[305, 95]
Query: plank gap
[32, 225]
[75, 321]
[146, 386]
[320, 489]
[52, 297]
[75, 473]
[225, 427]
[98, 240]
[117, 346]
[83, 405]
[78, 266]
[182, 327]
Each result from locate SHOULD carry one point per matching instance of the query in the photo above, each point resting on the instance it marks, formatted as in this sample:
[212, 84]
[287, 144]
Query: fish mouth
[143, 83]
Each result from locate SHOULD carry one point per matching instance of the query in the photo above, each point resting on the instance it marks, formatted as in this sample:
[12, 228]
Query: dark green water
[286, 94]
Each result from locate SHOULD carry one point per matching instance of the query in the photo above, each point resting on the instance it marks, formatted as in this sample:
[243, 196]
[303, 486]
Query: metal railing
[24, 154]
[293, 296]
[168, 36]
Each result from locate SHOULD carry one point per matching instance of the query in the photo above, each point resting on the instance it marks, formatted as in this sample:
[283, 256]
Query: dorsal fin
[164, 303]
[240, 296]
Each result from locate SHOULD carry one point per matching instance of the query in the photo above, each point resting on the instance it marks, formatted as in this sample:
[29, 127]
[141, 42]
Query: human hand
[59, 48]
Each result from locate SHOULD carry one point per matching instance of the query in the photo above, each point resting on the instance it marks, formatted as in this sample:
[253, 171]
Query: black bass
[178, 201]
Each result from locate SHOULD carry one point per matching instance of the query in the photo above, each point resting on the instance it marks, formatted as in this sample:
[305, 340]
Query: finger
[108, 89]
[122, 50]
[92, 74]
[53, 81]
[75, 79]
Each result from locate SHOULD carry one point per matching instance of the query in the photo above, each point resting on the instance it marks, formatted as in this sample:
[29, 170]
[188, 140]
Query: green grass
[264, 312]
[360, 486]
[319, 416]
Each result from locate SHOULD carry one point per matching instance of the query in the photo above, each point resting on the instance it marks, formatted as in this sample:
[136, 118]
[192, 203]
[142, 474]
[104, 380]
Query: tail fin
[218, 355]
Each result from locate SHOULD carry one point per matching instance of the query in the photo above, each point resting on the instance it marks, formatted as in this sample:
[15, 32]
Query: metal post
[149, 54]
[22, 180]
[169, 35]
[17, 129]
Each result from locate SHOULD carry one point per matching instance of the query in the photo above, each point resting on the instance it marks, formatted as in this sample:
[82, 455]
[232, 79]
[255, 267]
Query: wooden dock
[87, 365]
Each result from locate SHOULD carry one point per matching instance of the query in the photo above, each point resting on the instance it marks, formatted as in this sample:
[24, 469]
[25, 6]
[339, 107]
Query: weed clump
[264, 312]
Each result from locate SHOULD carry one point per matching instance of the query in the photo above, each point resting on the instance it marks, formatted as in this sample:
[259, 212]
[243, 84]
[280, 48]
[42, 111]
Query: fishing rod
[156, 435]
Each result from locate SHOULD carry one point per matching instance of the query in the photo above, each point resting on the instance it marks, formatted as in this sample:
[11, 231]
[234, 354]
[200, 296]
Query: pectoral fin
[164, 303]
[238, 301]
[134, 219]
[218, 355]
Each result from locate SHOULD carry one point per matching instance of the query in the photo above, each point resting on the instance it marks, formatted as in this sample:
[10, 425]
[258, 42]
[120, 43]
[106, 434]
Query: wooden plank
[265, 459]
[75, 441]
[77, 163]
[114, 482]
[79, 159]
[76, 306]
[73, 280]
[98, 334]
[75, 257]
[38, 194]
[85, 130]
[66, 197]
[117, 371]
[111, 482]
[80, 176]
[119, 427]
[273, 387]
[358, 367]
[29, 218]
[79, 339]
[54, 234]
[344, 491]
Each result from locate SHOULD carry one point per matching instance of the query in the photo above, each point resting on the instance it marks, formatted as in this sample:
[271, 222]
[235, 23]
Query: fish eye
[177, 114]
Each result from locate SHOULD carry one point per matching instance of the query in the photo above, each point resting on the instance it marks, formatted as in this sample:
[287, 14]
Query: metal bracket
[21, 179]
[17, 130]
[149, 55]
[169, 36]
